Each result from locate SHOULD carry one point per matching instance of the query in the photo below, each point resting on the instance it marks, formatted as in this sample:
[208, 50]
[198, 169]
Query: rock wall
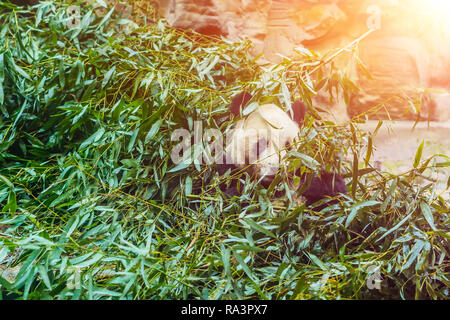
[409, 50]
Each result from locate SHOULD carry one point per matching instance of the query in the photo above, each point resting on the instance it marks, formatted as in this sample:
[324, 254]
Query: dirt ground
[396, 144]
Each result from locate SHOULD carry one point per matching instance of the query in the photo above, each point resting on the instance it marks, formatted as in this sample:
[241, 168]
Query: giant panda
[259, 142]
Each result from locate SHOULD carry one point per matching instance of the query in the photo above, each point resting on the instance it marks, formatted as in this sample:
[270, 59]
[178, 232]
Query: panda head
[261, 139]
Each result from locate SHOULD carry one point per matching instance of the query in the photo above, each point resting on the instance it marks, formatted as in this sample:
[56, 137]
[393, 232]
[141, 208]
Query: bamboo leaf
[356, 208]
[418, 155]
[426, 211]
[108, 76]
[257, 227]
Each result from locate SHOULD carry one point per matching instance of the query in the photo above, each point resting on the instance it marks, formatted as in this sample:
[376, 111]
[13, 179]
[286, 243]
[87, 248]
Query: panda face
[260, 141]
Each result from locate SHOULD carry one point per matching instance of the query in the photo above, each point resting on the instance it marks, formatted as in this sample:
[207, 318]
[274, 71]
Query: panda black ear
[239, 102]
[299, 110]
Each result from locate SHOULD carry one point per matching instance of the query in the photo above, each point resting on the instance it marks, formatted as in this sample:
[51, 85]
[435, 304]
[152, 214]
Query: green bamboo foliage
[92, 207]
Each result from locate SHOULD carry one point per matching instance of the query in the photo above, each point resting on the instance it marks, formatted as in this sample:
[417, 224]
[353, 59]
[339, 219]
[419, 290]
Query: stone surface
[336, 109]
[399, 67]
[290, 23]
[389, 157]
[234, 19]
[412, 41]
[441, 100]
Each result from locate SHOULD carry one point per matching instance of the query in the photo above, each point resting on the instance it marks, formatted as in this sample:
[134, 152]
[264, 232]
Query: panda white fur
[259, 142]
[262, 140]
